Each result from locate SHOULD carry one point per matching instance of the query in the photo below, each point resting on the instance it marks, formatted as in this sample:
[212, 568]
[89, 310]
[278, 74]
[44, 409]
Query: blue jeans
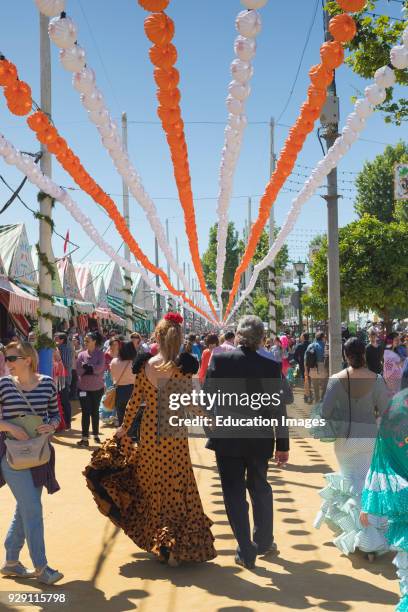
[27, 524]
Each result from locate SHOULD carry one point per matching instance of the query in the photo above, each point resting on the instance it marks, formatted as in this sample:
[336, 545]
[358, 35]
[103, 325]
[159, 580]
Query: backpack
[311, 358]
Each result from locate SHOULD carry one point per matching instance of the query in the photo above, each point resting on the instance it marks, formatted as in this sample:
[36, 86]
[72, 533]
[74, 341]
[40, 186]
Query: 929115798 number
[33, 598]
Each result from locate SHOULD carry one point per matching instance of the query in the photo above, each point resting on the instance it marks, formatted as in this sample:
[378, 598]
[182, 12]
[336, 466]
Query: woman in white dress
[354, 400]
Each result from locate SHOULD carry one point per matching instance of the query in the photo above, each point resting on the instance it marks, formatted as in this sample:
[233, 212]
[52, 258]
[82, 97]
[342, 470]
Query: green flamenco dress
[386, 488]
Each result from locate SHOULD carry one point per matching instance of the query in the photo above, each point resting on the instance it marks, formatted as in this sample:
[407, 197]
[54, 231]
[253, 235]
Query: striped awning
[117, 305]
[16, 300]
[59, 307]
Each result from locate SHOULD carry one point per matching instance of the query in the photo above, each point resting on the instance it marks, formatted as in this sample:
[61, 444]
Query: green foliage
[375, 186]
[315, 306]
[281, 260]
[373, 267]
[209, 259]
[261, 306]
[370, 50]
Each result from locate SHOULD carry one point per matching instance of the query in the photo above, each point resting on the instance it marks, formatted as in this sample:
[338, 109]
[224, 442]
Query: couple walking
[149, 490]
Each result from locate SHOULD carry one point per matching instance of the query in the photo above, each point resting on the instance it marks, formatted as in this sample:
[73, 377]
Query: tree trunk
[387, 321]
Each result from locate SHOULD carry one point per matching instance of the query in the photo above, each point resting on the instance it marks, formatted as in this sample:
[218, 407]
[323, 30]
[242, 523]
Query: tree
[375, 186]
[209, 259]
[373, 267]
[370, 50]
[281, 260]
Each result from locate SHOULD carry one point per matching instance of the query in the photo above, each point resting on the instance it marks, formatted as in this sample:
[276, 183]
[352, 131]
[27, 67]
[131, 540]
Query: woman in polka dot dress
[149, 490]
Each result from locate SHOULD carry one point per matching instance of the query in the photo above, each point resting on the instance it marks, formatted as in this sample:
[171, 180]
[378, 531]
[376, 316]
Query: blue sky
[112, 34]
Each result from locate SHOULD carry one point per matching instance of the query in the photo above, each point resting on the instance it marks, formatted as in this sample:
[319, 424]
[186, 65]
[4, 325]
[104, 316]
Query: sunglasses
[12, 358]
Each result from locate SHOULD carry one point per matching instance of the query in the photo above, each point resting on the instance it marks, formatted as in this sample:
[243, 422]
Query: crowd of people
[141, 476]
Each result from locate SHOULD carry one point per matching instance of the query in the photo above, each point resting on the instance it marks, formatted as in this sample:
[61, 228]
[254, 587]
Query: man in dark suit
[243, 456]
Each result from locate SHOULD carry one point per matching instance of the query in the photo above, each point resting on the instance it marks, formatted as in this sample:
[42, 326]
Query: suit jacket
[252, 373]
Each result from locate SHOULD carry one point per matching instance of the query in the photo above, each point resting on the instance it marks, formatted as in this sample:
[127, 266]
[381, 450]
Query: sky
[112, 34]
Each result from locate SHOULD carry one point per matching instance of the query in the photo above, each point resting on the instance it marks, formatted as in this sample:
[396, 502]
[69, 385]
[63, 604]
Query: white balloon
[73, 59]
[108, 130]
[349, 136]
[241, 71]
[344, 146]
[385, 77]
[235, 106]
[248, 24]
[50, 8]
[84, 81]
[399, 57]
[254, 4]
[375, 95]
[100, 116]
[245, 48]
[238, 122]
[355, 122]
[111, 143]
[62, 31]
[363, 108]
[93, 101]
[238, 90]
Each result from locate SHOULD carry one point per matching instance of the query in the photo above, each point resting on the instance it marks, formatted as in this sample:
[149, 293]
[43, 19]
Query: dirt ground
[105, 572]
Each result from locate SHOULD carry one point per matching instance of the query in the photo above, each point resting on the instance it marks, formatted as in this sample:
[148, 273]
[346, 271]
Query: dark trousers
[73, 392]
[238, 474]
[66, 405]
[123, 395]
[90, 411]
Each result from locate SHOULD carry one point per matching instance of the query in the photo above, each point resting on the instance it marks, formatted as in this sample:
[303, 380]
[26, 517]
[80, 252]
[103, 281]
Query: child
[386, 488]
[292, 373]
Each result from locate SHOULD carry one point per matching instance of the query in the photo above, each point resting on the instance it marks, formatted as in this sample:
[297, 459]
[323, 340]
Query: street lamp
[299, 268]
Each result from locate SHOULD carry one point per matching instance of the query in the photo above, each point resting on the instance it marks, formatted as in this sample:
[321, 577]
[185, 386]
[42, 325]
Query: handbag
[109, 399]
[26, 454]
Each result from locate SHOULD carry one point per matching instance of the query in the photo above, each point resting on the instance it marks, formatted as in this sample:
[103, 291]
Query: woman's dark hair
[211, 339]
[188, 345]
[96, 337]
[127, 351]
[354, 350]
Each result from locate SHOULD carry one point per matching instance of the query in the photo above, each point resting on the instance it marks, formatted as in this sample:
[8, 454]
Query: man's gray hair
[250, 332]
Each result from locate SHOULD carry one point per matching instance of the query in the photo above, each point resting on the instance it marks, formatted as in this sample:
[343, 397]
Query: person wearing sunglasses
[22, 393]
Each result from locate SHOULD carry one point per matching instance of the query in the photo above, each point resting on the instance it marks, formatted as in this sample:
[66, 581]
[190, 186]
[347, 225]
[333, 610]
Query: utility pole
[178, 279]
[271, 269]
[169, 299]
[158, 303]
[185, 311]
[127, 277]
[45, 278]
[249, 301]
[330, 132]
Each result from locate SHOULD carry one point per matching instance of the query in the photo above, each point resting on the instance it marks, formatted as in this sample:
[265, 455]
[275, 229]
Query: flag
[66, 242]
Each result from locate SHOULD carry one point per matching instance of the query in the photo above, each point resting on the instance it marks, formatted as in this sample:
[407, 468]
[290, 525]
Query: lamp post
[299, 268]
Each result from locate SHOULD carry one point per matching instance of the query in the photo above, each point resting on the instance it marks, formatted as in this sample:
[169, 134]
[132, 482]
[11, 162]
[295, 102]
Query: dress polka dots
[149, 490]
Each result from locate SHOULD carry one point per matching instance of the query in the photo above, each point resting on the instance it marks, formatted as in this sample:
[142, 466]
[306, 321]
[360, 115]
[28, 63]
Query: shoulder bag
[26, 454]
[109, 399]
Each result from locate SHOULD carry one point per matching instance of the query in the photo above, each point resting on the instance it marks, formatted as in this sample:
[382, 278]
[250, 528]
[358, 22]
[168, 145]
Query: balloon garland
[321, 75]
[375, 94]
[73, 59]
[26, 164]
[248, 24]
[49, 136]
[159, 29]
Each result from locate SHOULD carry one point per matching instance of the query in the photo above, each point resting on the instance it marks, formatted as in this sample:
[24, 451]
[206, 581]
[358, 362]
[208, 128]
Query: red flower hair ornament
[174, 317]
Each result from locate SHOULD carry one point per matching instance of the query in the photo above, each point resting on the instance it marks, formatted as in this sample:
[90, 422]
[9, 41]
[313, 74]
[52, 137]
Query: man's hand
[281, 458]
[364, 519]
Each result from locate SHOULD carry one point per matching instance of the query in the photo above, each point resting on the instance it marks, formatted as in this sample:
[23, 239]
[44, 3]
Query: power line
[300, 61]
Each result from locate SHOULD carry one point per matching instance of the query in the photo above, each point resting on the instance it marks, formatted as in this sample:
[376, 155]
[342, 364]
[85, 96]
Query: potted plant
[44, 346]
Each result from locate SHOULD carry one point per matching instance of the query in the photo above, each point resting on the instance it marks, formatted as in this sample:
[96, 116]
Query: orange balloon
[166, 79]
[332, 54]
[57, 146]
[16, 90]
[38, 121]
[159, 28]
[316, 97]
[48, 135]
[8, 72]
[352, 6]
[20, 107]
[343, 28]
[310, 113]
[154, 5]
[169, 115]
[164, 56]
[321, 76]
[169, 98]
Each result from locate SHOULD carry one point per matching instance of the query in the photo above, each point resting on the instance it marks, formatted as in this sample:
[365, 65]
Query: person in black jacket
[243, 461]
